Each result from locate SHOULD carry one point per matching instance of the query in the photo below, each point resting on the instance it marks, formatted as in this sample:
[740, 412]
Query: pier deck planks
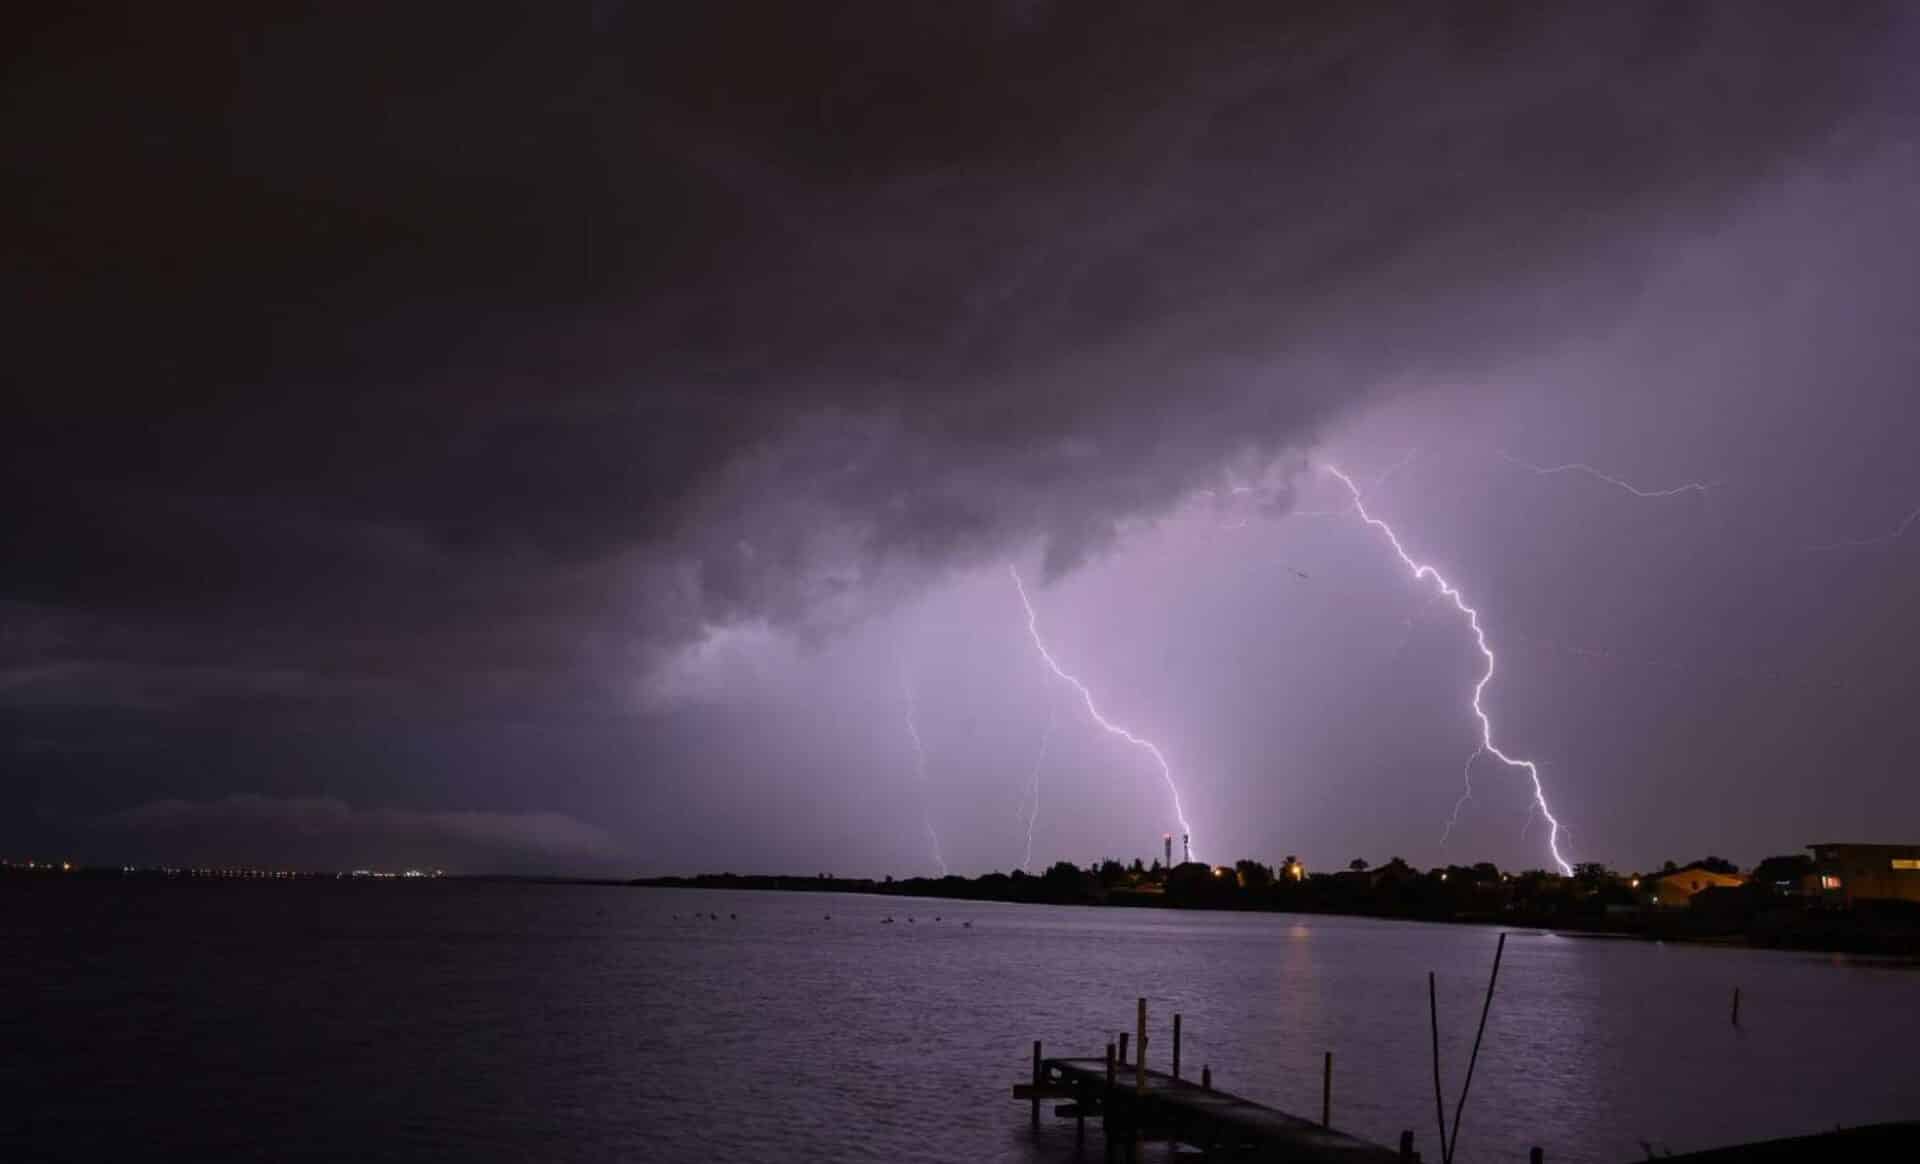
[1225, 1116]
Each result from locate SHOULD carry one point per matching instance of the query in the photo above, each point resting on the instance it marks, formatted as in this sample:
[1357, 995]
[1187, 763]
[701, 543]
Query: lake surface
[479, 1023]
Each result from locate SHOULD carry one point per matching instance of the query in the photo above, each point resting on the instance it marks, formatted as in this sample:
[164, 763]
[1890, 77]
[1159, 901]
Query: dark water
[498, 1022]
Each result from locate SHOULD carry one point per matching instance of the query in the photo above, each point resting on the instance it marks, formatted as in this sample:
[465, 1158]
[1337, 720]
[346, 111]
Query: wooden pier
[1136, 1105]
[1155, 1106]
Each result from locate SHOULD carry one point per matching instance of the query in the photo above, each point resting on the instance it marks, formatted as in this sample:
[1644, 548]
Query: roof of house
[1695, 873]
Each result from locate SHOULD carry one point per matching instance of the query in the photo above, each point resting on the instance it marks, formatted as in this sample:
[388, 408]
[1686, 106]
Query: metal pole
[1439, 1105]
[1460, 1108]
[1326, 1093]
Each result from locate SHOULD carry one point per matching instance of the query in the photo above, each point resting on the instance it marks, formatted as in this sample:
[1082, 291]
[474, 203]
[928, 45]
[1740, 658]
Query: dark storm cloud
[403, 349]
[322, 832]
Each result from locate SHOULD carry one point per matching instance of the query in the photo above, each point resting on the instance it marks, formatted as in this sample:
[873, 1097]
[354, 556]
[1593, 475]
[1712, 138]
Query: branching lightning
[1033, 801]
[1891, 535]
[1466, 794]
[1700, 487]
[1398, 465]
[1424, 572]
[920, 769]
[1086, 696]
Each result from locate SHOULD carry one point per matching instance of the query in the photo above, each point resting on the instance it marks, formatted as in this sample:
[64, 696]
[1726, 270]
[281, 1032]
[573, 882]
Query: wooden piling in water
[1123, 1047]
[1140, 1055]
[1326, 1092]
[1535, 1156]
[1406, 1145]
[1106, 1105]
[1038, 1079]
[1736, 1006]
[1176, 1046]
[1206, 1077]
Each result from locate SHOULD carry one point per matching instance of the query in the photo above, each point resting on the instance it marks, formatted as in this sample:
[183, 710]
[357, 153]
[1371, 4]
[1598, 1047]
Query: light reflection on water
[500, 1022]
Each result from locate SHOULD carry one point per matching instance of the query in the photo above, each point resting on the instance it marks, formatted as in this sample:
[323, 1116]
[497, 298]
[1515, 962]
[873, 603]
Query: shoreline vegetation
[1594, 902]
[1767, 911]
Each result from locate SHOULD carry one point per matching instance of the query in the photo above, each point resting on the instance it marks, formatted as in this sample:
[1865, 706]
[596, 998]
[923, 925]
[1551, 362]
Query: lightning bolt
[920, 769]
[1424, 572]
[1033, 812]
[1891, 535]
[1166, 770]
[1466, 794]
[1700, 487]
[1398, 465]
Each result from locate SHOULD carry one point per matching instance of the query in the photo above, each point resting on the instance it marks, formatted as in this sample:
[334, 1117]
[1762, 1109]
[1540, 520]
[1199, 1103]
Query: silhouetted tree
[1358, 864]
[1775, 872]
[1593, 874]
[1062, 882]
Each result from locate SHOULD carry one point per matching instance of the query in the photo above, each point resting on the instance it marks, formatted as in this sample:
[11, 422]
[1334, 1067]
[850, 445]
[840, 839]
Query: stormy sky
[577, 437]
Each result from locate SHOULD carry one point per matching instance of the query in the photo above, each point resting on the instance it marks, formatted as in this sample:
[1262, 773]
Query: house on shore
[1675, 890]
[1848, 872]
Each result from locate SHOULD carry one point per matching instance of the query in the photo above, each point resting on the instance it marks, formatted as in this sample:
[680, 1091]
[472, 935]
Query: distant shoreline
[1788, 926]
[1525, 901]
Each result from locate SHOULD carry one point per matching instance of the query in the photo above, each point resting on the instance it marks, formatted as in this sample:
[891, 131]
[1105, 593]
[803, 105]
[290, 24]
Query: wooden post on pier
[1106, 1105]
[1037, 1081]
[1326, 1092]
[1176, 1046]
[1406, 1145]
[1140, 1053]
[1180, 1113]
[1736, 1006]
[1139, 1078]
[1123, 1047]
[1536, 1156]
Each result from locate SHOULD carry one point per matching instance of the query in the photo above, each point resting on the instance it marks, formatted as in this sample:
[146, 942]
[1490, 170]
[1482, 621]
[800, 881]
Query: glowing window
[1905, 863]
[1829, 881]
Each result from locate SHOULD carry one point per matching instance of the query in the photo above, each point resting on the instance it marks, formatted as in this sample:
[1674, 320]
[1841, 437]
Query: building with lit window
[1850, 873]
